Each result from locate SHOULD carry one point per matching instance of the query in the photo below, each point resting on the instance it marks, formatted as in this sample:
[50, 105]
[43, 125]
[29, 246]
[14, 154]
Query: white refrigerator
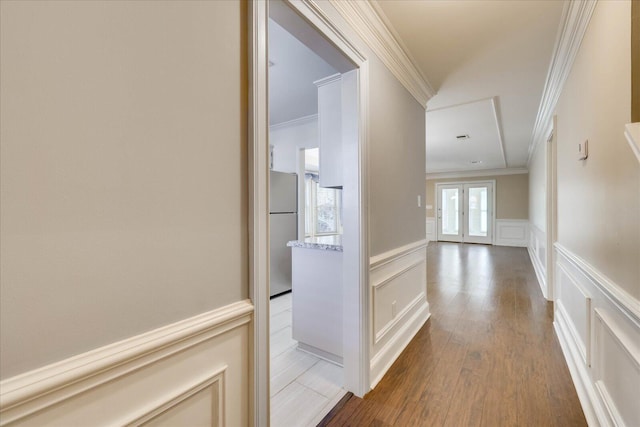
[283, 223]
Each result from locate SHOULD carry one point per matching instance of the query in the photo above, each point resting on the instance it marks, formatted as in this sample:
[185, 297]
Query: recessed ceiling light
[462, 137]
[475, 162]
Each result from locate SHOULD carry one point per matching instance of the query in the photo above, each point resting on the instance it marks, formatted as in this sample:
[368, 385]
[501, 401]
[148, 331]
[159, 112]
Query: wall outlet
[583, 150]
[393, 310]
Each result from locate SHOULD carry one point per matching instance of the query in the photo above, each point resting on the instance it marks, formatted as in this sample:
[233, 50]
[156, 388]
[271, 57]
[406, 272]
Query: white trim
[397, 276]
[628, 304]
[295, 122]
[326, 80]
[505, 239]
[608, 348]
[37, 390]
[593, 412]
[215, 381]
[583, 345]
[258, 168]
[431, 227]
[477, 173]
[575, 19]
[363, 17]
[551, 192]
[378, 261]
[540, 272]
[390, 352]
[632, 133]
[500, 138]
[356, 300]
[421, 298]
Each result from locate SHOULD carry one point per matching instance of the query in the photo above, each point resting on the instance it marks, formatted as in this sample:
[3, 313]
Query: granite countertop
[325, 243]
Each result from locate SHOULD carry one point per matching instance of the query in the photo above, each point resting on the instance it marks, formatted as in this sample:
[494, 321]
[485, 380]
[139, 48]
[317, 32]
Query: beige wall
[123, 171]
[396, 162]
[538, 187]
[599, 199]
[512, 194]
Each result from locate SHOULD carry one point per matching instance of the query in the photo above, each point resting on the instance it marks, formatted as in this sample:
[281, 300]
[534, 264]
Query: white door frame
[552, 217]
[356, 254]
[463, 223]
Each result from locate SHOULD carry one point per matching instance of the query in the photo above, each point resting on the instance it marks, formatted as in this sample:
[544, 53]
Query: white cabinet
[330, 130]
[317, 301]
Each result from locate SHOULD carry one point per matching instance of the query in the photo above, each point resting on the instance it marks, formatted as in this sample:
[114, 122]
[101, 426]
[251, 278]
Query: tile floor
[304, 388]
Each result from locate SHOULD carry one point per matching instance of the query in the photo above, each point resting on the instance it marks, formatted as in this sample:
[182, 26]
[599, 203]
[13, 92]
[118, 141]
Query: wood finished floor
[488, 355]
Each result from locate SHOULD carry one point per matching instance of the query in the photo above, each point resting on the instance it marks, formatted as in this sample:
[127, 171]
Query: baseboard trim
[37, 390]
[579, 375]
[539, 270]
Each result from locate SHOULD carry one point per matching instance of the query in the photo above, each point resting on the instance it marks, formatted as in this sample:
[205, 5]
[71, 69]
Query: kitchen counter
[324, 243]
[317, 296]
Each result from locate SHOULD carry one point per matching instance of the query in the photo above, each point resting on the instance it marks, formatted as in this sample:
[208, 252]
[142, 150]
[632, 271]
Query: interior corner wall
[599, 198]
[512, 194]
[123, 171]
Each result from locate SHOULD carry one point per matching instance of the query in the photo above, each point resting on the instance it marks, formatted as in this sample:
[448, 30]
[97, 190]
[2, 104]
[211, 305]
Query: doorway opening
[465, 212]
[307, 23]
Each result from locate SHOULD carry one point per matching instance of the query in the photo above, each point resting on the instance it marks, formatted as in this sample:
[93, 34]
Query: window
[323, 208]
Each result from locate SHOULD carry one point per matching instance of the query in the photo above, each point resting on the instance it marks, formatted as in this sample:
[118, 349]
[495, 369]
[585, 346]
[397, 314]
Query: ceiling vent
[461, 137]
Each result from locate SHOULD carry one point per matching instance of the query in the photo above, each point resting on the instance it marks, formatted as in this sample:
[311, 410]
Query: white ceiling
[474, 50]
[481, 150]
[292, 93]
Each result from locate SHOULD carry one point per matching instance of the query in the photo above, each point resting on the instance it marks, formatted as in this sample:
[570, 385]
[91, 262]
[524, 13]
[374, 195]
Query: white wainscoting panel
[431, 229]
[573, 305]
[512, 232]
[192, 372]
[598, 326]
[399, 303]
[537, 248]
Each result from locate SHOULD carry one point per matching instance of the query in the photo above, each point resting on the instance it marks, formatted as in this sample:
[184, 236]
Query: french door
[465, 212]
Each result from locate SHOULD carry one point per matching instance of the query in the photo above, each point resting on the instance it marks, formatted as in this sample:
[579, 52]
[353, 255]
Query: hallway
[487, 356]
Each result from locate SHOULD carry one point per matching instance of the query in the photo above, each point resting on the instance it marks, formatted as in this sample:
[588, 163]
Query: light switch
[583, 150]
[419, 201]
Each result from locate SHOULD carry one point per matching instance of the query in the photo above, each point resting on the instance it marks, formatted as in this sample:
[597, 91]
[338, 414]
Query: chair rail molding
[144, 376]
[369, 22]
[573, 26]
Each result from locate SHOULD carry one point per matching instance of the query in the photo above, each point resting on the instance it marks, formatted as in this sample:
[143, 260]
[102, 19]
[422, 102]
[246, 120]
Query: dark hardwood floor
[488, 355]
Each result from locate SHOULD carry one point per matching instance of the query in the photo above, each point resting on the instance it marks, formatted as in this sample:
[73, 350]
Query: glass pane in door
[450, 208]
[478, 211]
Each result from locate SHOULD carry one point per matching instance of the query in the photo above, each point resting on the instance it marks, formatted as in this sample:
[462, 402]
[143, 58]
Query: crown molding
[573, 26]
[369, 22]
[477, 173]
[294, 122]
